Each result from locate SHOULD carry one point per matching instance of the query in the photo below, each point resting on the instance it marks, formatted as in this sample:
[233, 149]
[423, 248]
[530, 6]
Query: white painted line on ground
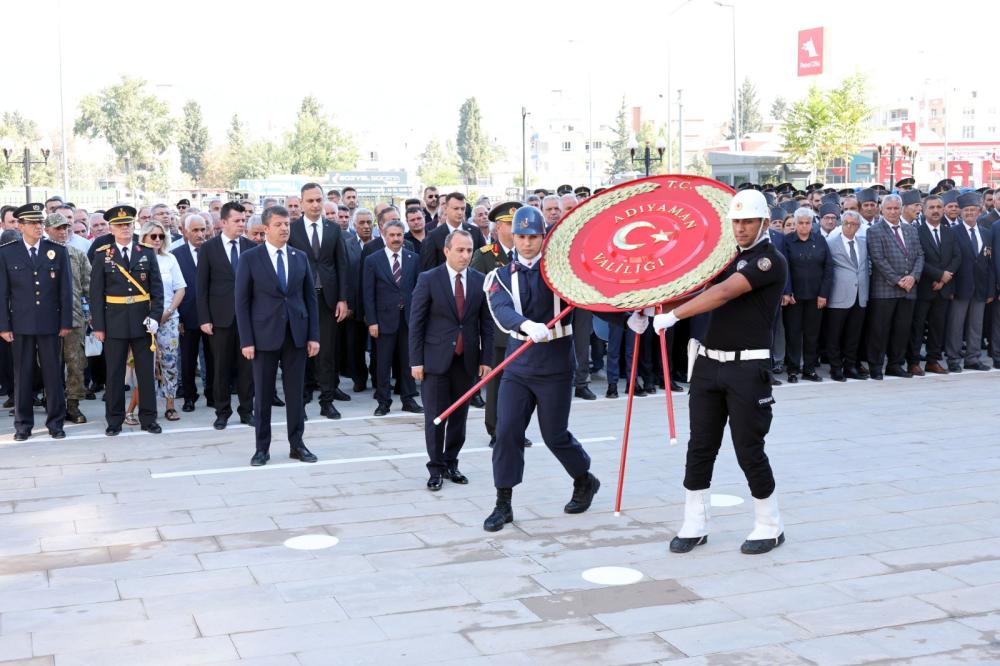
[312, 542]
[336, 461]
[726, 500]
[612, 576]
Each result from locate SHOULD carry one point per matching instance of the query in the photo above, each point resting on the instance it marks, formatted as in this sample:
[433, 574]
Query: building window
[898, 114]
[372, 156]
[569, 128]
[567, 146]
[968, 132]
[992, 129]
[968, 112]
[597, 145]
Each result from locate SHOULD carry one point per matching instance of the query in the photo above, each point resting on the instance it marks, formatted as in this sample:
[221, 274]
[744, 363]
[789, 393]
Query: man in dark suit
[322, 243]
[975, 286]
[942, 259]
[432, 249]
[36, 312]
[451, 343]
[218, 261]
[389, 278]
[897, 264]
[192, 337]
[278, 321]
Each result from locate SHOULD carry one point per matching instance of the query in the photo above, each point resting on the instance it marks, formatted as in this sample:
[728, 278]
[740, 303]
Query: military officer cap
[564, 189]
[785, 188]
[867, 195]
[583, 191]
[790, 206]
[56, 220]
[829, 209]
[528, 221]
[542, 192]
[945, 184]
[748, 186]
[880, 188]
[120, 215]
[184, 202]
[969, 199]
[830, 198]
[777, 213]
[504, 212]
[982, 190]
[905, 182]
[598, 190]
[814, 187]
[910, 197]
[949, 196]
[32, 212]
[769, 187]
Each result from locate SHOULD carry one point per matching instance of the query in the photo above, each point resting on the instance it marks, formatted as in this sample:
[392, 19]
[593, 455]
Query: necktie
[125, 255]
[234, 257]
[34, 257]
[315, 240]
[937, 239]
[854, 253]
[282, 280]
[899, 239]
[972, 237]
[397, 271]
[460, 306]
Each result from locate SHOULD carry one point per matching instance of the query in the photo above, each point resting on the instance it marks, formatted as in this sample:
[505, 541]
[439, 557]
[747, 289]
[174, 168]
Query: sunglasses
[156, 236]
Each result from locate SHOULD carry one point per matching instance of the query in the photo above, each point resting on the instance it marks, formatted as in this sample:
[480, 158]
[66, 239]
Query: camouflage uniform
[73, 343]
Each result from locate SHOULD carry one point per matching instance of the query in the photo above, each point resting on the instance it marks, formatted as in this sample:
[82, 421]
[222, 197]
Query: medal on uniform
[142, 276]
[51, 254]
[52, 274]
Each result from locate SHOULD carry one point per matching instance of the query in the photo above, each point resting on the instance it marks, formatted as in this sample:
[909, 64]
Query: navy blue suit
[277, 323]
[387, 305]
[975, 282]
[435, 327]
[35, 303]
[192, 338]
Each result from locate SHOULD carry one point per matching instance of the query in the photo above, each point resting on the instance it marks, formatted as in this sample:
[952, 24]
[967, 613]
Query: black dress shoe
[811, 376]
[220, 423]
[775, 381]
[90, 395]
[876, 375]
[38, 401]
[792, 378]
[381, 410]
[493, 441]
[639, 393]
[277, 402]
[21, 436]
[260, 458]
[247, 419]
[188, 406]
[585, 393]
[686, 544]
[612, 392]
[435, 482]
[851, 373]
[761, 546]
[340, 395]
[675, 387]
[837, 376]
[412, 407]
[584, 489]
[153, 428]
[649, 389]
[996, 364]
[457, 477]
[307, 397]
[954, 367]
[502, 514]
[526, 443]
[898, 372]
[476, 401]
[209, 403]
[8, 403]
[976, 366]
[112, 431]
[359, 387]
[329, 411]
[777, 368]
[863, 371]
[57, 434]
[303, 454]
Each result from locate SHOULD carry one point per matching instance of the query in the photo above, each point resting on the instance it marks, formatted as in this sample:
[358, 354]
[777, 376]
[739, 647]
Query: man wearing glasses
[431, 201]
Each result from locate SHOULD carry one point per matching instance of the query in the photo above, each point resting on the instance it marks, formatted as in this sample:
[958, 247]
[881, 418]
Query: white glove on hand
[151, 325]
[536, 331]
[662, 322]
[638, 322]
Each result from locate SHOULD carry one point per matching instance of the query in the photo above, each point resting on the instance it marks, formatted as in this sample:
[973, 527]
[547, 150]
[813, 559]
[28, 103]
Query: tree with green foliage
[749, 110]
[24, 132]
[621, 161]
[192, 142]
[315, 145]
[476, 152]
[439, 165]
[779, 107]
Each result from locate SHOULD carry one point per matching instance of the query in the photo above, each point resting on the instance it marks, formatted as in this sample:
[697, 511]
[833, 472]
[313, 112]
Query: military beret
[504, 212]
[32, 212]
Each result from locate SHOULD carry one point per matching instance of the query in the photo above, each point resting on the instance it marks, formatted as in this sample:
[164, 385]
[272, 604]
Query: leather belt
[126, 300]
[731, 356]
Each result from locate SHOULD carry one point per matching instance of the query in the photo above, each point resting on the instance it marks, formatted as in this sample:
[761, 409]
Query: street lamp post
[647, 157]
[44, 147]
[736, 99]
[524, 154]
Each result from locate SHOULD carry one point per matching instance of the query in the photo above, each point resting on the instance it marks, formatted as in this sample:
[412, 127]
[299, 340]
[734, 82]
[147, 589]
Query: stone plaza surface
[169, 549]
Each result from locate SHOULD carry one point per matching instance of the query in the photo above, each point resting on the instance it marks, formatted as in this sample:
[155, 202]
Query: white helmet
[749, 204]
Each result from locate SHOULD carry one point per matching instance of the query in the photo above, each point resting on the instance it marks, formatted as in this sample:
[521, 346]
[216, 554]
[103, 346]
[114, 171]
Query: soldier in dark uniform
[126, 302]
[541, 377]
[36, 291]
[485, 260]
[731, 380]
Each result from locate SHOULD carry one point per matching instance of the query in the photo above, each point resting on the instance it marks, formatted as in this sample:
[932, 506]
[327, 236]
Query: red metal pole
[628, 423]
[666, 385]
[499, 368]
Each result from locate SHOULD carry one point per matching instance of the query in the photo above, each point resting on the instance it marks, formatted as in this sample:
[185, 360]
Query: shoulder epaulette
[103, 248]
[147, 245]
[10, 242]
[486, 249]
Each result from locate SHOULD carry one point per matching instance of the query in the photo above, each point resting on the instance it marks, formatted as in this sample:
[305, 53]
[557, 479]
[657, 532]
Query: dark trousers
[191, 342]
[394, 346]
[324, 364]
[889, 323]
[931, 315]
[493, 391]
[802, 325]
[519, 396]
[49, 350]
[439, 391]
[740, 393]
[6, 369]
[583, 324]
[98, 370]
[619, 336]
[225, 343]
[265, 377]
[843, 334]
[354, 337]
[115, 357]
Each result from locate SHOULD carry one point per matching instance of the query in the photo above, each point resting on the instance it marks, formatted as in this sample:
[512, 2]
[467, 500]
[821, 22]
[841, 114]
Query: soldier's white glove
[638, 322]
[662, 322]
[151, 325]
[536, 331]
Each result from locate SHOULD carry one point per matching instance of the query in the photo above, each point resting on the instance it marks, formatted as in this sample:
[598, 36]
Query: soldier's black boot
[503, 513]
[73, 414]
[584, 489]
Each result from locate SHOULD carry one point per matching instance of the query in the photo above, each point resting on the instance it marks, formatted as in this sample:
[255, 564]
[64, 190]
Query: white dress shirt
[847, 246]
[389, 253]
[123, 248]
[37, 246]
[194, 254]
[975, 229]
[272, 253]
[900, 237]
[309, 229]
[227, 246]
[451, 277]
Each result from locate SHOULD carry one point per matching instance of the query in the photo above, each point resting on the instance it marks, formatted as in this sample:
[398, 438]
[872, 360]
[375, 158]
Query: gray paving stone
[872, 588]
[112, 635]
[323, 638]
[735, 635]
[670, 616]
[538, 634]
[786, 600]
[866, 615]
[195, 651]
[68, 617]
[125, 569]
[171, 584]
[78, 541]
[273, 616]
[422, 650]
[15, 646]
[43, 597]
[981, 599]
[977, 573]
[460, 618]
[771, 655]
[926, 638]
[842, 650]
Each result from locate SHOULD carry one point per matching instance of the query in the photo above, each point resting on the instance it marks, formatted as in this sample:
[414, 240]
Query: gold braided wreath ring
[640, 244]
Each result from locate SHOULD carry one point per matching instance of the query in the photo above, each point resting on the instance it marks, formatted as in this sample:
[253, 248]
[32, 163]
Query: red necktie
[460, 306]
[899, 239]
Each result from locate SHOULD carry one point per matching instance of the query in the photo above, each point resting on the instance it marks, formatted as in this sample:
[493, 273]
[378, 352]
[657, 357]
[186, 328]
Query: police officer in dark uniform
[731, 380]
[486, 259]
[541, 377]
[36, 292]
[126, 302]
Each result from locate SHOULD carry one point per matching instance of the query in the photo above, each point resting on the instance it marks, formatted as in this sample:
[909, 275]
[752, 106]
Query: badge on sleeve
[741, 264]
[51, 254]
[764, 264]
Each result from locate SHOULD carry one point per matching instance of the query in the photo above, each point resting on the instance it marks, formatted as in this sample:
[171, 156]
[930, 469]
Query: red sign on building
[960, 172]
[991, 172]
[909, 131]
[810, 52]
[903, 169]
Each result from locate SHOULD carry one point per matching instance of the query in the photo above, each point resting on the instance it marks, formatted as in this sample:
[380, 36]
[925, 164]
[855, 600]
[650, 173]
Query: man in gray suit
[845, 310]
[897, 264]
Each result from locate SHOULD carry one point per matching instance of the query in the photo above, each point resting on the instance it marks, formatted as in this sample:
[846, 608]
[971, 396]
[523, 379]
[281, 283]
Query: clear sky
[401, 69]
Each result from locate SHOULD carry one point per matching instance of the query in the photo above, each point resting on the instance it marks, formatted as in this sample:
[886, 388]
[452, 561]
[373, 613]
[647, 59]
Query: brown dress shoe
[936, 368]
[915, 370]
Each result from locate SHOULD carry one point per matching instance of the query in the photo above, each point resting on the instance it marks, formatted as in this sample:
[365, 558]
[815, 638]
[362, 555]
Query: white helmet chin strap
[762, 230]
